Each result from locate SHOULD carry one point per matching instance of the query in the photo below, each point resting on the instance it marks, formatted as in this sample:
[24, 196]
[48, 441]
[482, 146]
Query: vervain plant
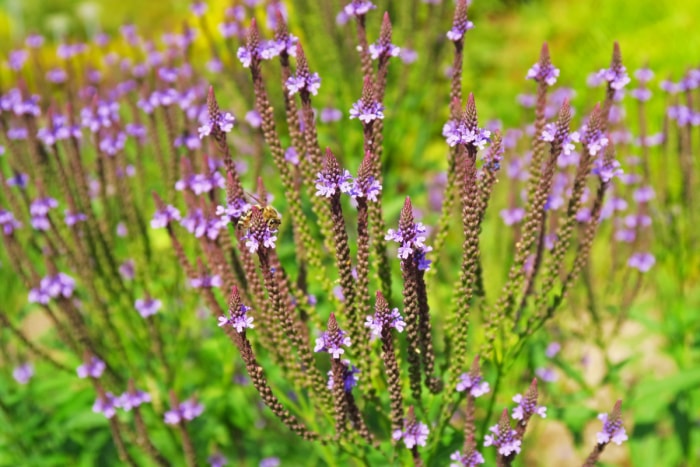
[359, 360]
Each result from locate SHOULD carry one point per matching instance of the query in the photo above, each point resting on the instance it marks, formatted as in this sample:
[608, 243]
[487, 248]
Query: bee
[270, 215]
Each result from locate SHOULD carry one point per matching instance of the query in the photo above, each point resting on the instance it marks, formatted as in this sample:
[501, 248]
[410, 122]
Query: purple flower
[72, 218]
[546, 374]
[512, 216]
[527, 407]
[641, 94]
[238, 319]
[52, 286]
[407, 55]
[644, 75]
[607, 170]
[459, 29]
[19, 180]
[616, 76]
[643, 194]
[503, 438]
[8, 222]
[188, 410]
[456, 132]
[34, 41]
[309, 82]
[93, 368]
[330, 114]
[132, 399]
[126, 269]
[112, 144]
[270, 462]
[593, 140]
[332, 343]
[201, 183]
[358, 8]
[552, 349]
[412, 241]
[106, 405]
[217, 460]
[198, 8]
[164, 216]
[350, 378]
[224, 123]
[23, 373]
[612, 430]
[16, 59]
[367, 112]
[414, 433]
[378, 322]
[641, 261]
[253, 118]
[147, 306]
[233, 211]
[328, 184]
[471, 459]
[547, 74]
[473, 384]
[379, 48]
[368, 189]
[17, 133]
[205, 281]
[101, 115]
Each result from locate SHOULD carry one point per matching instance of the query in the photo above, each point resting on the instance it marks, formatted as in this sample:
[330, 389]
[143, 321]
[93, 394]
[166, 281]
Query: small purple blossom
[147, 306]
[526, 408]
[375, 323]
[552, 349]
[327, 184]
[330, 114]
[106, 405]
[188, 410]
[233, 211]
[472, 459]
[253, 118]
[412, 241]
[309, 82]
[23, 373]
[414, 433]
[456, 132]
[607, 170]
[504, 439]
[616, 77]
[379, 48]
[547, 374]
[641, 261]
[93, 368]
[512, 216]
[367, 112]
[8, 222]
[459, 29]
[164, 216]
[52, 286]
[332, 344]
[205, 281]
[358, 8]
[350, 378]
[613, 431]
[547, 74]
[132, 399]
[238, 319]
[126, 269]
[223, 123]
[644, 75]
[270, 462]
[217, 460]
[473, 384]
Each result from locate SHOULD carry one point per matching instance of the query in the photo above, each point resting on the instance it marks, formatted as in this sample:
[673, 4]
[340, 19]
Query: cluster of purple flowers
[238, 319]
[147, 306]
[185, 411]
[376, 323]
[332, 343]
[474, 384]
[412, 242]
[458, 132]
[108, 404]
[52, 286]
[39, 211]
[92, 368]
[350, 378]
[414, 433]
[8, 222]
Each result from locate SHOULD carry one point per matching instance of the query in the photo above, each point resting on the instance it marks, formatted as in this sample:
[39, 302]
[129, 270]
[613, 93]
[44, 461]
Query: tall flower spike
[331, 341]
[527, 407]
[367, 109]
[593, 138]
[543, 71]
[414, 433]
[218, 123]
[238, 318]
[332, 180]
[383, 48]
[304, 81]
[249, 55]
[503, 437]
[461, 23]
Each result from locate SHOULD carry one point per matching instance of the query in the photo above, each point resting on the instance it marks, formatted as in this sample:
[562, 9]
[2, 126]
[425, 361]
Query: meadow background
[652, 363]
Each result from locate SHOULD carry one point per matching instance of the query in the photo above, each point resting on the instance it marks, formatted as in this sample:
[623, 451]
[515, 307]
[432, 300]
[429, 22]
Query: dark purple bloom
[642, 262]
[8, 222]
[164, 216]
[19, 180]
[350, 378]
[376, 323]
[132, 399]
[126, 269]
[23, 373]
[238, 319]
[106, 405]
[224, 123]
[205, 281]
[472, 459]
[332, 344]
[367, 112]
[93, 369]
[188, 410]
[147, 306]
[414, 433]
